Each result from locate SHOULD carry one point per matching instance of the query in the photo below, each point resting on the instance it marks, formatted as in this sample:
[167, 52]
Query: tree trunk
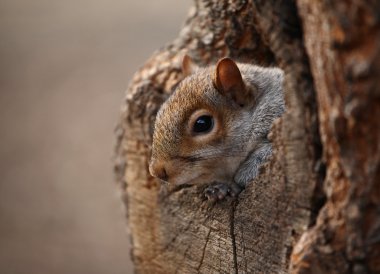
[315, 208]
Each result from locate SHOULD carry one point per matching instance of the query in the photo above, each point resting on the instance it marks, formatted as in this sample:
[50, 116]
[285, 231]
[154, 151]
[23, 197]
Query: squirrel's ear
[188, 66]
[229, 82]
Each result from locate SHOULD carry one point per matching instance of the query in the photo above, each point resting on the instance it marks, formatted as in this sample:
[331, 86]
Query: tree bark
[343, 45]
[315, 208]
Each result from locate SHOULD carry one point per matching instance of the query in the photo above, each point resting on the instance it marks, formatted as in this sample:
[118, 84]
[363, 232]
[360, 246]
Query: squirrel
[213, 129]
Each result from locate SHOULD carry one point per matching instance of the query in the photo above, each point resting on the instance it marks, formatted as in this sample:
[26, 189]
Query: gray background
[63, 71]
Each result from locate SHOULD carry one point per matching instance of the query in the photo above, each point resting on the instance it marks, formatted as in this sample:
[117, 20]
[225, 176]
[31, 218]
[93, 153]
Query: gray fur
[269, 106]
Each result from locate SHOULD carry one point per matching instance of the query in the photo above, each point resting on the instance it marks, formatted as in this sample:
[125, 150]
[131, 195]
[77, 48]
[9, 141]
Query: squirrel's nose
[157, 169]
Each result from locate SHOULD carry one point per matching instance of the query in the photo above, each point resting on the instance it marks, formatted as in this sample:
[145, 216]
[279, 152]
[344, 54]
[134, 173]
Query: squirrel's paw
[219, 191]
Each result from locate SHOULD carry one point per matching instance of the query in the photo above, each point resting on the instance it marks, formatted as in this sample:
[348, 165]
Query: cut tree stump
[315, 208]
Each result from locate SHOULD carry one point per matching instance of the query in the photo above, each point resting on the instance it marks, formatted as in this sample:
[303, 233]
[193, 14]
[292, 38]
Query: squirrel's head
[196, 137]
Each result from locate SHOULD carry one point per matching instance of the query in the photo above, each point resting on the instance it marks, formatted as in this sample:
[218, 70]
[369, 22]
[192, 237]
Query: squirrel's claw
[219, 191]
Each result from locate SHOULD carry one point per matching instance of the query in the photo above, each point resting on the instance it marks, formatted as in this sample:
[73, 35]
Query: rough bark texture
[177, 231]
[343, 44]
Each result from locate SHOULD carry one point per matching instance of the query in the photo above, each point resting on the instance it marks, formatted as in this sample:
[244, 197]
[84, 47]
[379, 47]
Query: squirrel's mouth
[192, 180]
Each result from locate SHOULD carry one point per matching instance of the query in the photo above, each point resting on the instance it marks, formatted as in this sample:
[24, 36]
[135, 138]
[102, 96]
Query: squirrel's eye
[203, 124]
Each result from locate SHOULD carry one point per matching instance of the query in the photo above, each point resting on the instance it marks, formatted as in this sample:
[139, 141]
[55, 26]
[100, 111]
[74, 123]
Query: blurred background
[64, 68]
